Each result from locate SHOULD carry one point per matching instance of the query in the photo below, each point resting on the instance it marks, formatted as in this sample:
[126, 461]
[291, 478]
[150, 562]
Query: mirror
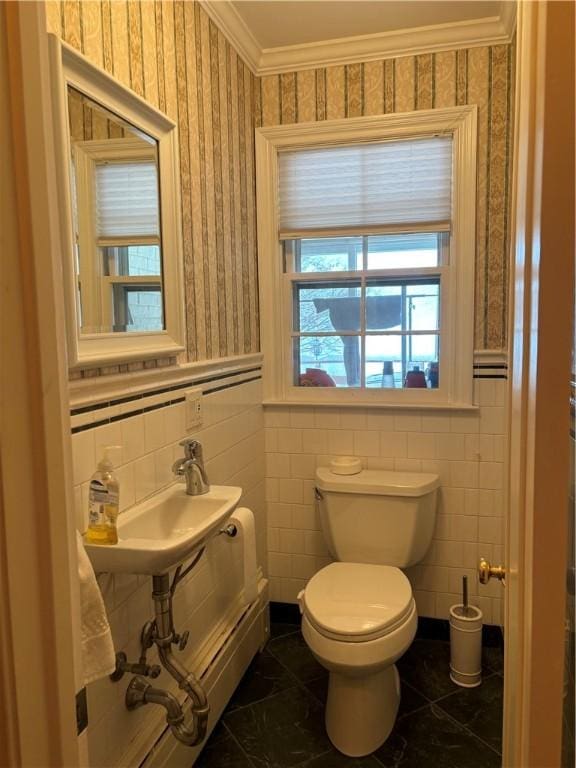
[116, 218]
[117, 162]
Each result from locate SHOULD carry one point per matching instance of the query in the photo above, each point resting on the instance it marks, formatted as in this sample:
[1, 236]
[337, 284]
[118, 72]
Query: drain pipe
[165, 637]
[140, 692]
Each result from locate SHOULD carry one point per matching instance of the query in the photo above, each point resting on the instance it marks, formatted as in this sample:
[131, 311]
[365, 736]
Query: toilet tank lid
[378, 482]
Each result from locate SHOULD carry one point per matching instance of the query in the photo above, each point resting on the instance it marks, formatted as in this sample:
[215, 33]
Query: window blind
[366, 187]
[127, 200]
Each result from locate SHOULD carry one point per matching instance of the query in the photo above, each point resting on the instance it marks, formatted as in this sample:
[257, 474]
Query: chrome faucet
[191, 466]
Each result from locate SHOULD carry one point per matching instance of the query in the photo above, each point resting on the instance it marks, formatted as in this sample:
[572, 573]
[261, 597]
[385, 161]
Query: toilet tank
[377, 516]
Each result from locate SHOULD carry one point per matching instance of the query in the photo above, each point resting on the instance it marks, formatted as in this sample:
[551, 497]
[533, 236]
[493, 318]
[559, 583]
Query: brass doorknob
[487, 571]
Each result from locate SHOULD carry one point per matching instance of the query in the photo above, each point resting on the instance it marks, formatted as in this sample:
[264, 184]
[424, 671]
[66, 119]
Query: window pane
[403, 251]
[327, 361]
[132, 260]
[408, 306]
[329, 254]
[423, 307]
[327, 307]
[402, 361]
[383, 367]
[384, 307]
[137, 309]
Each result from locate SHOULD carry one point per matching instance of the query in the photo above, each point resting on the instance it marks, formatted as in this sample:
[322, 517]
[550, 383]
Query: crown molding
[508, 16]
[384, 45]
[494, 30]
[233, 27]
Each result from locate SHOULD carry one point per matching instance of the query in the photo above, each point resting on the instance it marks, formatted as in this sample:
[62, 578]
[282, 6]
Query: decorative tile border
[487, 371]
[118, 409]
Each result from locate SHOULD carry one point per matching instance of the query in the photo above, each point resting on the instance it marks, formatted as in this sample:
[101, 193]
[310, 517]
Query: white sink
[163, 531]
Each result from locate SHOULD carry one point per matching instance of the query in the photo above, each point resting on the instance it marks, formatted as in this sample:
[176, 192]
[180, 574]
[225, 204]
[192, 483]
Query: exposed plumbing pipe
[200, 707]
[140, 692]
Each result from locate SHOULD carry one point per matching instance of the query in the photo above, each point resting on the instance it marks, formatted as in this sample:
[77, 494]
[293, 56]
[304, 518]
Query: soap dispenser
[104, 495]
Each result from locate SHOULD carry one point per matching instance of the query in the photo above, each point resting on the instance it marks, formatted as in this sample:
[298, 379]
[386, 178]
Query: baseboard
[220, 681]
[428, 629]
[439, 629]
[285, 613]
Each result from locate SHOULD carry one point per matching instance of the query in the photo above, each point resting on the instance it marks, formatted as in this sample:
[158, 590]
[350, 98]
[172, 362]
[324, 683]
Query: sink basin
[163, 531]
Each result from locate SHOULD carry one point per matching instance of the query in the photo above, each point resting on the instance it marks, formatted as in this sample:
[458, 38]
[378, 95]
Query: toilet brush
[465, 642]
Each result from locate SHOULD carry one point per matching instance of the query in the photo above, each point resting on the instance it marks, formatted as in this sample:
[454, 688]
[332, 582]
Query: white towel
[97, 647]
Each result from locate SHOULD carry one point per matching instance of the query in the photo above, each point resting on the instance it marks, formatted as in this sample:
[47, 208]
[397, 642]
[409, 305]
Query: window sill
[366, 405]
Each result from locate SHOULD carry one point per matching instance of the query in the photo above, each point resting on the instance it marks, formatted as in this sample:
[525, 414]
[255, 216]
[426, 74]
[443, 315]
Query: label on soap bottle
[101, 497]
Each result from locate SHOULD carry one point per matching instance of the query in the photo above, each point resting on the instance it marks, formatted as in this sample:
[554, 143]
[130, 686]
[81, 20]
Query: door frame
[541, 307]
[39, 645]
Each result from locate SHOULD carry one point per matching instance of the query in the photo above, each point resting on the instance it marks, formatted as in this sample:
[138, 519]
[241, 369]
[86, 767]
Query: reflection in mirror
[116, 218]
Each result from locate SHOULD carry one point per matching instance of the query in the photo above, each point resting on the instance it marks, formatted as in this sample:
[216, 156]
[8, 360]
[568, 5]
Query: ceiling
[275, 23]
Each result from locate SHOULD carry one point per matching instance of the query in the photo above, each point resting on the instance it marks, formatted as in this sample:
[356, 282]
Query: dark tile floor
[276, 717]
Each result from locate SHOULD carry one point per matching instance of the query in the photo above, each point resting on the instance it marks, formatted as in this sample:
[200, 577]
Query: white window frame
[70, 68]
[457, 299]
[96, 287]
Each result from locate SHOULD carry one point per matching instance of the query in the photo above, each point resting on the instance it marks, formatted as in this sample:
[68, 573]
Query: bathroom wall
[467, 450]
[173, 55]
[207, 603]
[481, 76]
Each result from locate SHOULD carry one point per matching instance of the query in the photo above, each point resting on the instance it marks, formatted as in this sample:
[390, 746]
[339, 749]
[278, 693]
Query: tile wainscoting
[206, 603]
[467, 450]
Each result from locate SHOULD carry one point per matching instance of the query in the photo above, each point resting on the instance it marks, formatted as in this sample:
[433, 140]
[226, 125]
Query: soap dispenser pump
[104, 496]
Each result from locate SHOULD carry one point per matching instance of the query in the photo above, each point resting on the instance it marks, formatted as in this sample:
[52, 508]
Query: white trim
[101, 389]
[422, 407]
[398, 124]
[95, 286]
[457, 329]
[40, 649]
[490, 356]
[235, 30]
[492, 30]
[68, 67]
[509, 17]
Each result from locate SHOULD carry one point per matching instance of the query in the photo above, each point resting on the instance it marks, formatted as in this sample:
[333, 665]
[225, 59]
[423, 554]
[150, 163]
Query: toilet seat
[357, 602]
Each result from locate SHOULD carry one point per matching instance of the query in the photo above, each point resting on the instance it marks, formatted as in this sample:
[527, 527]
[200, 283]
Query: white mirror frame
[70, 68]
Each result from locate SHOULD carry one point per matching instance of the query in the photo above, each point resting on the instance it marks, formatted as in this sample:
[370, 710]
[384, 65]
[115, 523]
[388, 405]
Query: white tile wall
[467, 450]
[233, 438]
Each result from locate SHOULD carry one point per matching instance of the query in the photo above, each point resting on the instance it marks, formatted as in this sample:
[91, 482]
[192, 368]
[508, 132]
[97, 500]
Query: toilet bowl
[359, 615]
[357, 620]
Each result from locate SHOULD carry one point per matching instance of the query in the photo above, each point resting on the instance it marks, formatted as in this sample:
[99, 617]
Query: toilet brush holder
[466, 645]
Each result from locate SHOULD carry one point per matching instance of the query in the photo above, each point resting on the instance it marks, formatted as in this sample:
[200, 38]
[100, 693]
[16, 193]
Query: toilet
[358, 614]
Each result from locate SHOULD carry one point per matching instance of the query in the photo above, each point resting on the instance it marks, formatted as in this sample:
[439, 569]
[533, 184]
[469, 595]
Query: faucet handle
[192, 448]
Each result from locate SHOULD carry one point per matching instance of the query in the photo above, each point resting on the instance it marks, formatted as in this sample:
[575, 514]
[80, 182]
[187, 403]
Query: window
[377, 327]
[366, 260]
[120, 273]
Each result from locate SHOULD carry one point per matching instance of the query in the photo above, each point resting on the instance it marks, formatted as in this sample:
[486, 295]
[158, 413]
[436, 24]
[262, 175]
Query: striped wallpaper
[173, 55]
[481, 76]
